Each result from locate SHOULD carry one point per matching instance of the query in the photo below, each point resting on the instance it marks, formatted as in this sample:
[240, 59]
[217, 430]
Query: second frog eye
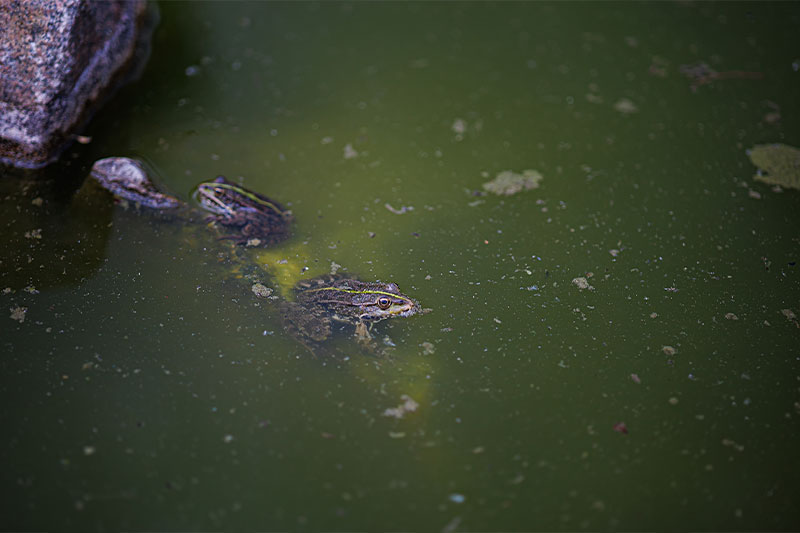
[384, 302]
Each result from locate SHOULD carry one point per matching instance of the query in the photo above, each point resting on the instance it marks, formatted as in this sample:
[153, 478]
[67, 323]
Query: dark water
[148, 390]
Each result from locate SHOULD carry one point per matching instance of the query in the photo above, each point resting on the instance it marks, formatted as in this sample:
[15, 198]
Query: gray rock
[59, 59]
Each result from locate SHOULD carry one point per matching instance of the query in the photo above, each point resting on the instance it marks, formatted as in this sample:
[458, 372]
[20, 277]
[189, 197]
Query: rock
[59, 59]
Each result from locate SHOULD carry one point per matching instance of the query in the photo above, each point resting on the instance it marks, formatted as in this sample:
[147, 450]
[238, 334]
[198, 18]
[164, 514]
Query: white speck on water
[625, 106]
[349, 151]
[456, 498]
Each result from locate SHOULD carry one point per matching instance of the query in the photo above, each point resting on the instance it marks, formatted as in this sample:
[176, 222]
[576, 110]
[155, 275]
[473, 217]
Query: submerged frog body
[252, 217]
[325, 301]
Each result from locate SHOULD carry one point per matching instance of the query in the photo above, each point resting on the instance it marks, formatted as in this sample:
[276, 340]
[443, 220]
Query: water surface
[148, 389]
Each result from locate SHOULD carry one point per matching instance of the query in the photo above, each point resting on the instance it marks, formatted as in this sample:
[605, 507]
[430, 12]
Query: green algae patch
[507, 183]
[778, 164]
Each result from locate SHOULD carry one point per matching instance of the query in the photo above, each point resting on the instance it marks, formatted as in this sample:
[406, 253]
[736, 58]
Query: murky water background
[147, 389]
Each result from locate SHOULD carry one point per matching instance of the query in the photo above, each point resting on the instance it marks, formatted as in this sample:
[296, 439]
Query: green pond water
[147, 389]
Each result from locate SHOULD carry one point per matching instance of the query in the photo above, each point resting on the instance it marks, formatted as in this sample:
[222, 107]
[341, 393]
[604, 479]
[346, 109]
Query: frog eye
[384, 302]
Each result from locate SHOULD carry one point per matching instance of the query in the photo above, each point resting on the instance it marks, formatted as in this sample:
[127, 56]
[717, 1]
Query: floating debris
[594, 98]
[778, 164]
[507, 182]
[18, 314]
[731, 316]
[457, 498]
[387, 341]
[772, 118]
[349, 151]
[658, 67]
[620, 427]
[461, 127]
[733, 444]
[261, 290]
[427, 348]
[668, 350]
[635, 379]
[34, 234]
[789, 314]
[702, 74]
[452, 525]
[582, 283]
[403, 210]
[625, 106]
[408, 406]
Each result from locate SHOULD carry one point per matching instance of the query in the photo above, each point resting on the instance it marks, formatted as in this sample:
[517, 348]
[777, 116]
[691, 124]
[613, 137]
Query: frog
[254, 219]
[313, 308]
[323, 302]
[250, 218]
[127, 179]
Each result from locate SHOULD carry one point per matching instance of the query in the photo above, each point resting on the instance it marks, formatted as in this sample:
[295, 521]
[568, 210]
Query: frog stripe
[222, 206]
[248, 194]
[352, 291]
